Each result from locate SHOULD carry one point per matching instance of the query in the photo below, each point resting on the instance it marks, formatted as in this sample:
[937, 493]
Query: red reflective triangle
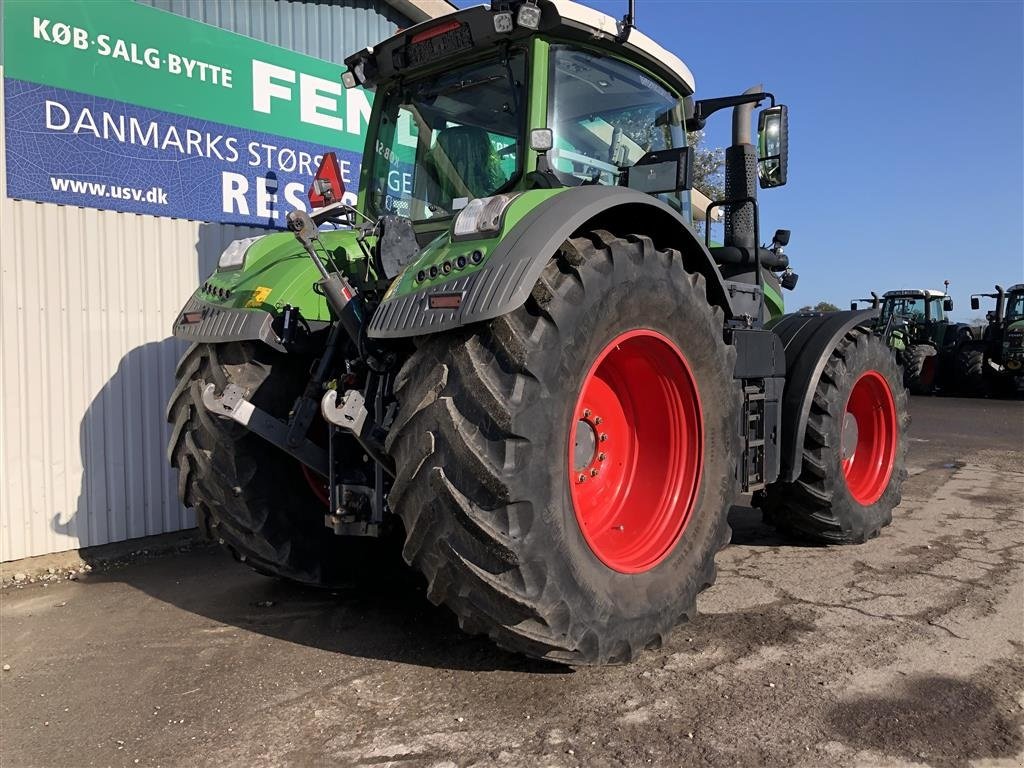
[327, 186]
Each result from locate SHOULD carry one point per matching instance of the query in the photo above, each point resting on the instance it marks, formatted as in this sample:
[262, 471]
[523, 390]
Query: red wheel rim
[869, 438]
[317, 484]
[635, 451]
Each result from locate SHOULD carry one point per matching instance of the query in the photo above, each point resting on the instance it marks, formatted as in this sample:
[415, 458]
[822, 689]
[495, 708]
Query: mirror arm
[705, 108]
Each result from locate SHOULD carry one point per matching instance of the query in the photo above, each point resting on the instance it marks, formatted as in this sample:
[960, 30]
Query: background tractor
[515, 361]
[995, 361]
[927, 343]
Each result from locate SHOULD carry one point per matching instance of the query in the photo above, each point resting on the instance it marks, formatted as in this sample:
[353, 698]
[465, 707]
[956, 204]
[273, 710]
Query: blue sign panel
[73, 149]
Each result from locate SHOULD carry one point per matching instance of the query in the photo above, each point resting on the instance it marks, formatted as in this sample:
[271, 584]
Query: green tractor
[927, 343]
[515, 361]
[996, 360]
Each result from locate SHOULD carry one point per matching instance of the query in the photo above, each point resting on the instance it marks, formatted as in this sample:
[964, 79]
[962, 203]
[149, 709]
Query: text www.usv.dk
[152, 195]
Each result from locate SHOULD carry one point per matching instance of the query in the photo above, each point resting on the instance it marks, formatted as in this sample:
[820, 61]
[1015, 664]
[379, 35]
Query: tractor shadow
[750, 530]
[384, 615]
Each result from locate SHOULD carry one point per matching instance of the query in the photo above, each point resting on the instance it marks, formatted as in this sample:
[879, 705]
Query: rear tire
[920, 363]
[249, 496]
[481, 443]
[837, 500]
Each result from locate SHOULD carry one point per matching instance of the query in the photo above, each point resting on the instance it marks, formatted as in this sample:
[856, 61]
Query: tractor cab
[918, 315]
[1003, 336]
[485, 114]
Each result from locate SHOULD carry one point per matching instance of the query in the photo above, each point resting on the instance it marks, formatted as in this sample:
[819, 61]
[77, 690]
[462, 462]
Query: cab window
[605, 115]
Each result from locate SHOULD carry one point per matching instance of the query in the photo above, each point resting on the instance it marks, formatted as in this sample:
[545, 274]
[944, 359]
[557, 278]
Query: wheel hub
[636, 451]
[585, 444]
[848, 440]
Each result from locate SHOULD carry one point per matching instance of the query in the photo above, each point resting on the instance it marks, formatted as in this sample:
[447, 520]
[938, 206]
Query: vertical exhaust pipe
[741, 176]
[1000, 303]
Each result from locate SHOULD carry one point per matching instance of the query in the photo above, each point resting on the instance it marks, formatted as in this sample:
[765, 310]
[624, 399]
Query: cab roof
[604, 25]
[914, 293]
[425, 44]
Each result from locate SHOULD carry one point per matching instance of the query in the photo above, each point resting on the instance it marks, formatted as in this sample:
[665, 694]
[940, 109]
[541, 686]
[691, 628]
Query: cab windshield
[446, 139]
[904, 307]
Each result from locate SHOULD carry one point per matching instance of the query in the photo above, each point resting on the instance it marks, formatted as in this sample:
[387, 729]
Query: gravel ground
[904, 651]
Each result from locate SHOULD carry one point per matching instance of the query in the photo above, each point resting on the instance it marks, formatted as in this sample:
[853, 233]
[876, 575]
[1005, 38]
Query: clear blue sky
[906, 133]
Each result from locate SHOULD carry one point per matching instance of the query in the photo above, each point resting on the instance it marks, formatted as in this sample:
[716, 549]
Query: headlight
[482, 216]
[234, 255]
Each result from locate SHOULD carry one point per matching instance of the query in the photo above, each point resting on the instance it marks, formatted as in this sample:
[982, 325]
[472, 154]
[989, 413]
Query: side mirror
[772, 146]
[660, 172]
[975, 302]
[947, 304]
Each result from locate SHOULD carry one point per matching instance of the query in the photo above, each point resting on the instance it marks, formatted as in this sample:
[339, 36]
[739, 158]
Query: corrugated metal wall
[86, 363]
[329, 29]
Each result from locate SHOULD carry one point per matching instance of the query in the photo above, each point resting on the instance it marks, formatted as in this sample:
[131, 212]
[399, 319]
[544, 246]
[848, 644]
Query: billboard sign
[121, 106]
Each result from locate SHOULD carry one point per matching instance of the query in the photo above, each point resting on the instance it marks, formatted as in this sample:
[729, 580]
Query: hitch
[352, 416]
[231, 404]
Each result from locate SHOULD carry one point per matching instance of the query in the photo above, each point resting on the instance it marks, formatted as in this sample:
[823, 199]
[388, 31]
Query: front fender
[242, 303]
[512, 268]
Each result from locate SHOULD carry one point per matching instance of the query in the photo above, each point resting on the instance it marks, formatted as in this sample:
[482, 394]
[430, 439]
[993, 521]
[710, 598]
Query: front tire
[252, 498]
[970, 369]
[487, 446]
[854, 452]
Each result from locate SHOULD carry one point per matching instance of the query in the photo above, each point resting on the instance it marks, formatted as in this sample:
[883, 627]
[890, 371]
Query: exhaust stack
[741, 176]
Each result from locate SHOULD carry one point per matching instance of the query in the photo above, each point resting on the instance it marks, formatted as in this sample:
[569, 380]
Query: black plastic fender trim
[506, 280]
[808, 339]
[205, 323]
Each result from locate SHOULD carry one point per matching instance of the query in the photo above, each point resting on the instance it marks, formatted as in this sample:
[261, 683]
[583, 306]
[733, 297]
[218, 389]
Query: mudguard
[808, 339]
[506, 280]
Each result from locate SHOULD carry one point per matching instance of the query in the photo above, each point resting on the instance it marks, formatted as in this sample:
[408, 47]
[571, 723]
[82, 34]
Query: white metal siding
[88, 298]
[86, 366]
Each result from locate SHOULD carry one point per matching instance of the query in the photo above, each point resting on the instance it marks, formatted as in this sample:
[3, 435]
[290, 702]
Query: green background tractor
[996, 359]
[929, 345]
[515, 361]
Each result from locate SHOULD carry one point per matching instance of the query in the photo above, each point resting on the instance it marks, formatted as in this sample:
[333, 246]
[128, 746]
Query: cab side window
[605, 115]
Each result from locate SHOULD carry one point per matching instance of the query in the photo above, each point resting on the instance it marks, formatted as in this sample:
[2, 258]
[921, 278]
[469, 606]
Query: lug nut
[461, 262]
[603, 437]
[601, 457]
[446, 267]
[421, 276]
[586, 413]
[598, 420]
[477, 257]
[594, 472]
[433, 271]
[582, 478]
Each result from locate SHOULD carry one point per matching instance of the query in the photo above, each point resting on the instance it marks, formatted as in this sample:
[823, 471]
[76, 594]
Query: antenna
[628, 22]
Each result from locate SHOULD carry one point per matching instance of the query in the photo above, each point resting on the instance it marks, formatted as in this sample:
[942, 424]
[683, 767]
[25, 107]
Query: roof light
[503, 22]
[348, 79]
[327, 186]
[529, 15]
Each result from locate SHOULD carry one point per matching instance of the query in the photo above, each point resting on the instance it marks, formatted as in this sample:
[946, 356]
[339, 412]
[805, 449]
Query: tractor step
[753, 468]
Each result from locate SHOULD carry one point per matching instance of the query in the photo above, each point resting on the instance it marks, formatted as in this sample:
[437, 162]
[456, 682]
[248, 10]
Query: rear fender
[508, 277]
[809, 340]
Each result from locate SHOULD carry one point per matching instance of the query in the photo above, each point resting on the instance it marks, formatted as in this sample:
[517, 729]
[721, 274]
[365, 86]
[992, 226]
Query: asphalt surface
[904, 651]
